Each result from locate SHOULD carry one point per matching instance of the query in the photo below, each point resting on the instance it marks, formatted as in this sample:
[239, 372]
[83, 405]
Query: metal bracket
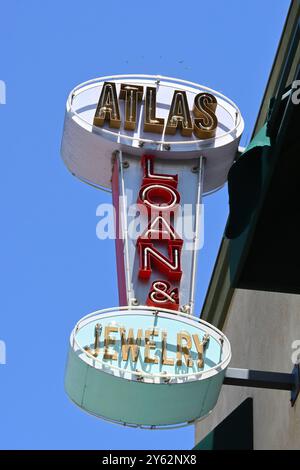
[263, 379]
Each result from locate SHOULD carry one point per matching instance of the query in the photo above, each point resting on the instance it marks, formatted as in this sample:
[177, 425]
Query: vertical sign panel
[158, 211]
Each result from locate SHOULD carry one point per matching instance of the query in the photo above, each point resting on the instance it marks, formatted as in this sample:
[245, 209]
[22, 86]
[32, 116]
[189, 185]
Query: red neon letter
[161, 295]
[150, 177]
[159, 229]
[159, 197]
[169, 266]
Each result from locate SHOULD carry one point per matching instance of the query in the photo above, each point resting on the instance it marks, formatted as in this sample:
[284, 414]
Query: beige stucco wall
[261, 327]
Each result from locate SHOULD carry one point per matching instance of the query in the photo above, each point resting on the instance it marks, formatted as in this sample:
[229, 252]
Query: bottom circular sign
[139, 366]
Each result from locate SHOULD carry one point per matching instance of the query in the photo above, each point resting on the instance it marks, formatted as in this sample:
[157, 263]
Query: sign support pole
[197, 235]
[265, 379]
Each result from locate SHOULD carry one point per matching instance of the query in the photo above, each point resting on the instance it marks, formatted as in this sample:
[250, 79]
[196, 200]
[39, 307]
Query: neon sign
[159, 194]
[202, 121]
[158, 143]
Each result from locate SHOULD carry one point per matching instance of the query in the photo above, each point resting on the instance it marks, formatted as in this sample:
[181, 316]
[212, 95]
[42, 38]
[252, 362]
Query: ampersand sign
[161, 295]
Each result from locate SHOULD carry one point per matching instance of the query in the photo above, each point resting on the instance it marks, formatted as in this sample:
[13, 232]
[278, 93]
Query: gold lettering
[185, 350]
[150, 345]
[131, 94]
[97, 333]
[179, 115]
[108, 340]
[151, 122]
[200, 346]
[165, 360]
[131, 345]
[204, 109]
[108, 107]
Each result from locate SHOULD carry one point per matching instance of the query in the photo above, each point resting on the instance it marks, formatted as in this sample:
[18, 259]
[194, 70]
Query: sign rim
[188, 85]
[193, 376]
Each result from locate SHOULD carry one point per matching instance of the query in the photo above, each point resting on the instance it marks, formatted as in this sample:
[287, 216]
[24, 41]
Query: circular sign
[139, 366]
[168, 117]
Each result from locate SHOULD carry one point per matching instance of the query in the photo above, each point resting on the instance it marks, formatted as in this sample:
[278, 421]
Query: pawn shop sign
[159, 144]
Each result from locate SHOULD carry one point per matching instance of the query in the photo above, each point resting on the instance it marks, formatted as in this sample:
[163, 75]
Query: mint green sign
[144, 367]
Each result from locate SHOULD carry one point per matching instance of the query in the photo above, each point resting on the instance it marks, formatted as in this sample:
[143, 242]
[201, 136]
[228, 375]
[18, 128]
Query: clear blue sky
[53, 268]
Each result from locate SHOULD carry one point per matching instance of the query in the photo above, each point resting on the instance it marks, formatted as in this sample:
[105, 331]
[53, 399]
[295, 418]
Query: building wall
[261, 327]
